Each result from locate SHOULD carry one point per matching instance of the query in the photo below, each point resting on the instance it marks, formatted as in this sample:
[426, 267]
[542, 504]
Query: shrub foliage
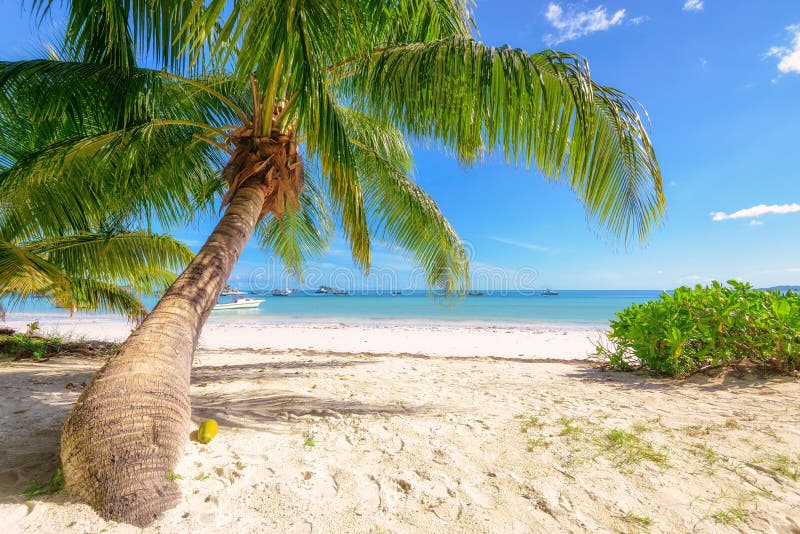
[707, 327]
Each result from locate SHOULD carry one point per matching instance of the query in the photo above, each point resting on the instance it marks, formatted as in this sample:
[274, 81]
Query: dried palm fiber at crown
[273, 161]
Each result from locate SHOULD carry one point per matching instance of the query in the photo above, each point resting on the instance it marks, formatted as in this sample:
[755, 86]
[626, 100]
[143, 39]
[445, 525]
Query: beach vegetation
[626, 448]
[700, 328]
[709, 455]
[19, 346]
[530, 422]
[767, 494]
[783, 464]
[54, 485]
[536, 443]
[732, 423]
[638, 519]
[570, 427]
[730, 515]
[294, 118]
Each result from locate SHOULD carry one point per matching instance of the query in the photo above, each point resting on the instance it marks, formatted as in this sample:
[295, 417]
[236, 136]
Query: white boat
[239, 304]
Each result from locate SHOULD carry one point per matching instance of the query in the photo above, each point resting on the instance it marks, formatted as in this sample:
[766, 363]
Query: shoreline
[248, 317]
[528, 341]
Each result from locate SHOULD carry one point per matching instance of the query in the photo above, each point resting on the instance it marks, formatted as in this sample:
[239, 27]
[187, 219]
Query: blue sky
[720, 80]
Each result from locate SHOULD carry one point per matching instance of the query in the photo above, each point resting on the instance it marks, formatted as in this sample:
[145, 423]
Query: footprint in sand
[368, 494]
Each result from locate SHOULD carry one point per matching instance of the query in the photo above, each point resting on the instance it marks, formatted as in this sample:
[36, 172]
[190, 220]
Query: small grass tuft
[786, 466]
[629, 449]
[697, 430]
[569, 427]
[310, 442]
[529, 423]
[173, 476]
[54, 485]
[767, 494]
[709, 455]
[732, 423]
[639, 520]
[535, 443]
[729, 516]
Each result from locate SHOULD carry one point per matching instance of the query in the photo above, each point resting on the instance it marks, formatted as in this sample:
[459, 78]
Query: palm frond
[93, 271]
[105, 141]
[112, 32]
[302, 233]
[24, 273]
[114, 256]
[88, 294]
[400, 213]
[542, 110]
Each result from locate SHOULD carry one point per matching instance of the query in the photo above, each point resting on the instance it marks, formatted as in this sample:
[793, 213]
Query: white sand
[406, 443]
[378, 338]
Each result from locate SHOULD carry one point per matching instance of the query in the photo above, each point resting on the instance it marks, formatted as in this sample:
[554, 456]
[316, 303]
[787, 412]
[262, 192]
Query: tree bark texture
[128, 429]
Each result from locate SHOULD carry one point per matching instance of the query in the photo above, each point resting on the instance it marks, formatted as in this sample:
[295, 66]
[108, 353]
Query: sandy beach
[430, 429]
[433, 339]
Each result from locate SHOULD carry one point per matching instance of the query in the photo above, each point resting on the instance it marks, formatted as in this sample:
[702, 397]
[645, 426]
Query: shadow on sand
[753, 380]
[217, 373]
[40, 395]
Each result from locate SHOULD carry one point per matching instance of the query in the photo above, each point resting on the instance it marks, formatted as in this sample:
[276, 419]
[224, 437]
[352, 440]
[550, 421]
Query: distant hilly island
[783, 288]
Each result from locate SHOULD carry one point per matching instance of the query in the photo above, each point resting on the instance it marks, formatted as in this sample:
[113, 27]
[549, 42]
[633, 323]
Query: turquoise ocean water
[570, 307]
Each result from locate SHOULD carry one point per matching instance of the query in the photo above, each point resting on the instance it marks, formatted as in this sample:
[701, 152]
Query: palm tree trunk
[130, 426]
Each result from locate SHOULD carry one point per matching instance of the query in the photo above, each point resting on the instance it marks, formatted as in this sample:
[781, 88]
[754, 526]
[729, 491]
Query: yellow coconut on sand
[208, 429]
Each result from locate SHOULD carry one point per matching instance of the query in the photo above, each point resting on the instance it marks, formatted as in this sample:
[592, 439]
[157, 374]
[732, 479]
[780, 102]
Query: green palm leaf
[302, 233]
[88, 294]
[542, 110]
[402, 215]
[114, 255]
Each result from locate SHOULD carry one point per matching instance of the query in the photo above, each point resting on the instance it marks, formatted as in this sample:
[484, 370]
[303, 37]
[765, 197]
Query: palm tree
[310, 103]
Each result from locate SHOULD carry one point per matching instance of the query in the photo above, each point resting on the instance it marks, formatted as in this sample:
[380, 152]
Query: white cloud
[520, 244]
[789, 270]
[789, 56]
[573, 23]
[693, 5]
[695, 279]
[639, 20]
[756, 211]
[756, 222]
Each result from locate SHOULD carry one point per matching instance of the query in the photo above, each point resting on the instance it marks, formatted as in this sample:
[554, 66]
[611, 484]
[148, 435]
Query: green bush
[24, 346]
[707, 326]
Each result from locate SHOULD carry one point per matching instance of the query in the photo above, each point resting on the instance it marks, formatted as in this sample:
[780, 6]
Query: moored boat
[281, 292]
[238, 304]
[230, 291]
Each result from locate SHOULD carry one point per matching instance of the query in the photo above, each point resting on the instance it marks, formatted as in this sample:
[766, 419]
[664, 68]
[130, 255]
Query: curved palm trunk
[129, 427]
